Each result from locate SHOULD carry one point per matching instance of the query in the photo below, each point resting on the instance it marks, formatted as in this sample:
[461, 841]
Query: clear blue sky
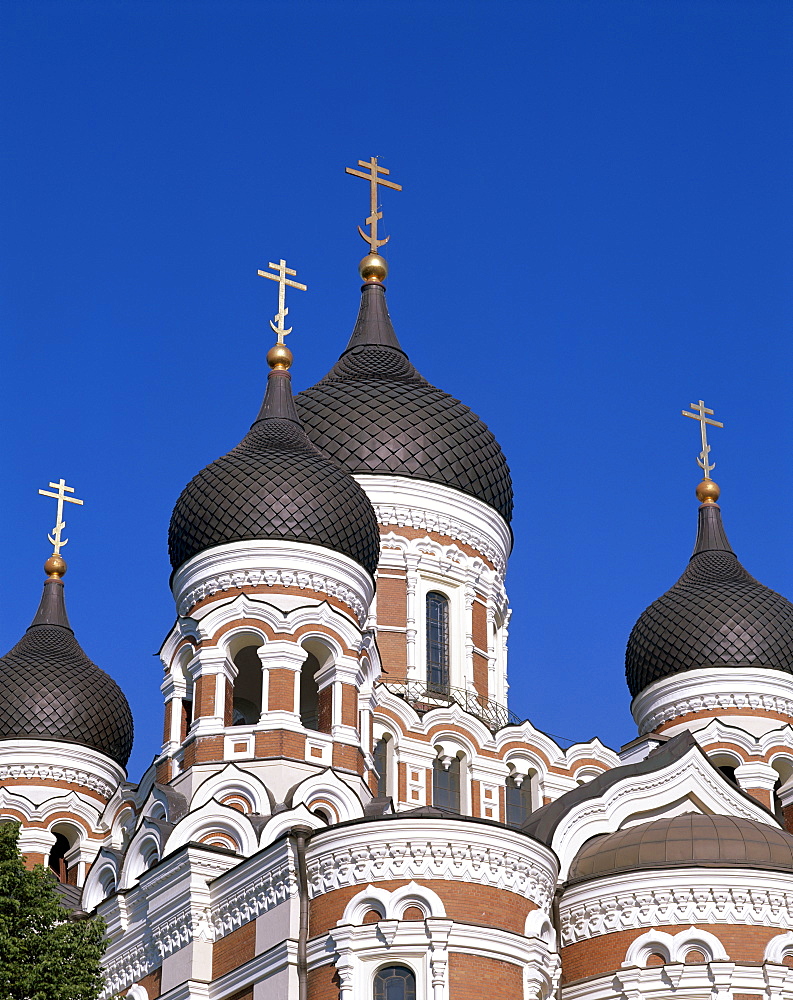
[595, 231]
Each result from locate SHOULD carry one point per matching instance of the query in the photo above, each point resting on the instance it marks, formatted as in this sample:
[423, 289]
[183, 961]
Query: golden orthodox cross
[374, 215]
[56, 539]
[702, 416]
[281, 277]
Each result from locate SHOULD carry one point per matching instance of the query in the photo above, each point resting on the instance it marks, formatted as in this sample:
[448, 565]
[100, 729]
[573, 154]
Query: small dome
[692, 840]
[716, 615]
[52, 691]
[275, 485]
[375, 414]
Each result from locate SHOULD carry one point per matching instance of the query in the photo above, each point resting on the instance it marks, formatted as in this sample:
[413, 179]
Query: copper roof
[716, 615]
[691, 840]
[374, 413]
[52, 691]
[275, 485]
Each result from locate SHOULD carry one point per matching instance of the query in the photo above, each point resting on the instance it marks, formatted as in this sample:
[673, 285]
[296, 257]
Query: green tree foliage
[45, 954]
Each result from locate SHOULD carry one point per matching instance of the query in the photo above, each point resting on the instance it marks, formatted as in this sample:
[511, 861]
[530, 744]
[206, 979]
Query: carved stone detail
[51, 772]
[273, 578]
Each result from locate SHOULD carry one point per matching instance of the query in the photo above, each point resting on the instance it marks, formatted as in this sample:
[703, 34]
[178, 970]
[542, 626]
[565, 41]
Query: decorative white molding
[674, 948]
[675, 897]
[412, 503]
[273, 564]
[724, 689]
[48, 760]
[779, 948]
[688, 784]
[709, 981]
[429, 848]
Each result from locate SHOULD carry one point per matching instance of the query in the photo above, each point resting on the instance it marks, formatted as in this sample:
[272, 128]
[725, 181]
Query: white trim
[49, 760]
[675, 896]
[425, 506]
[674, 948]
[689, 784]
[431, 849]
[723, 689]
[274, 563]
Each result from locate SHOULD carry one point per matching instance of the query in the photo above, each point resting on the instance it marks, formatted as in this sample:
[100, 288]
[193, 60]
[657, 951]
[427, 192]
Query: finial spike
[281, 277]
[374, 215]
[56, 538]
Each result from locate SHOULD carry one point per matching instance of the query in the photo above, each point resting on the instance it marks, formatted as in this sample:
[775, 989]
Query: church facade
[343, 806]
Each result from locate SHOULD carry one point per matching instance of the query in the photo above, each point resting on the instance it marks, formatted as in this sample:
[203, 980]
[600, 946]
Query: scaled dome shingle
[691, 840]
[275, 485]
[52, 691]
[716, 615]
[375, 414]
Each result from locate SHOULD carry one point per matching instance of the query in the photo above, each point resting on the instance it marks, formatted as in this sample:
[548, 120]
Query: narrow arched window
[247, 697]
[394, 982]
[309, 694]
[446, 784]
[437, 642]
[518, 801]
[57, 858]
[381, 766]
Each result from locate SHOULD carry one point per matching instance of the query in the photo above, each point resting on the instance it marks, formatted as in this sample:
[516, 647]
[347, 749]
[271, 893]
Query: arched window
[247, 705]
[518, 801]
[309, 693]
[381, 766]
[394, 982]
[446, 784]
[437, 642]
[57, 860]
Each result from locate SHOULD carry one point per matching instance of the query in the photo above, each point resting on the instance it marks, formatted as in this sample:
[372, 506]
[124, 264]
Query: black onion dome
[275, 485]
[52, 691]
[691, 840]
[374, 413]
[716, 615]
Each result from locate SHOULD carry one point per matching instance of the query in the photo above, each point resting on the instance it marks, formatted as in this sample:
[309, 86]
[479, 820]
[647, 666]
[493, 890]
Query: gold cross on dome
[374, 215]
[57, 541]
[281, 277]
[701, 415]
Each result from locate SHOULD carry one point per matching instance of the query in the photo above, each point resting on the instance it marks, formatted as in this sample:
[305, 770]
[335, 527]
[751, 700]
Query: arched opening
[382, 751]
[66, 838]
[57, 858]
[151, 855]
[517, 799]
[784, 814]
[247, 701]
[323, 815]
[394, 982]
[437, 628]
[108, 884]
[309, 694]
[446, 783]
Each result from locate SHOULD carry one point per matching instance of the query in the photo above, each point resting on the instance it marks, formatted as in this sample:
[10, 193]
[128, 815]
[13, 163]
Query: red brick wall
[392, 610]
[606, 953]
[152, 983]
[323, 983]
[204, 696]
[281, 690]
[234, 949]
[465, 902]
[471, 977]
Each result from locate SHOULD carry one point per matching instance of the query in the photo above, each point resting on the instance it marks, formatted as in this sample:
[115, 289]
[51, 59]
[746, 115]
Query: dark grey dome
[716, 615]
[275, 485]
[692, 840]
[52, 691]
[374, 413]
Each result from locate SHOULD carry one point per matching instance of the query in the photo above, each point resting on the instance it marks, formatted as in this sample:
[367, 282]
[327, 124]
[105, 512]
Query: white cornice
[431, 849]
[272, 564]
[713, 688]
[48, 760]
[688, 784]
[425, 506]
[676, 897]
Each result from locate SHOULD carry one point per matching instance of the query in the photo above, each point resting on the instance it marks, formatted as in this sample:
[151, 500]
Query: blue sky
[594, 232]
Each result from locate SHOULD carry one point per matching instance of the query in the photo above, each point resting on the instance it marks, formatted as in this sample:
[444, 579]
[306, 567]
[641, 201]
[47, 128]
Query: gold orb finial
[373, 268]
[279, 357]
[55, 567]
[708, 491]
